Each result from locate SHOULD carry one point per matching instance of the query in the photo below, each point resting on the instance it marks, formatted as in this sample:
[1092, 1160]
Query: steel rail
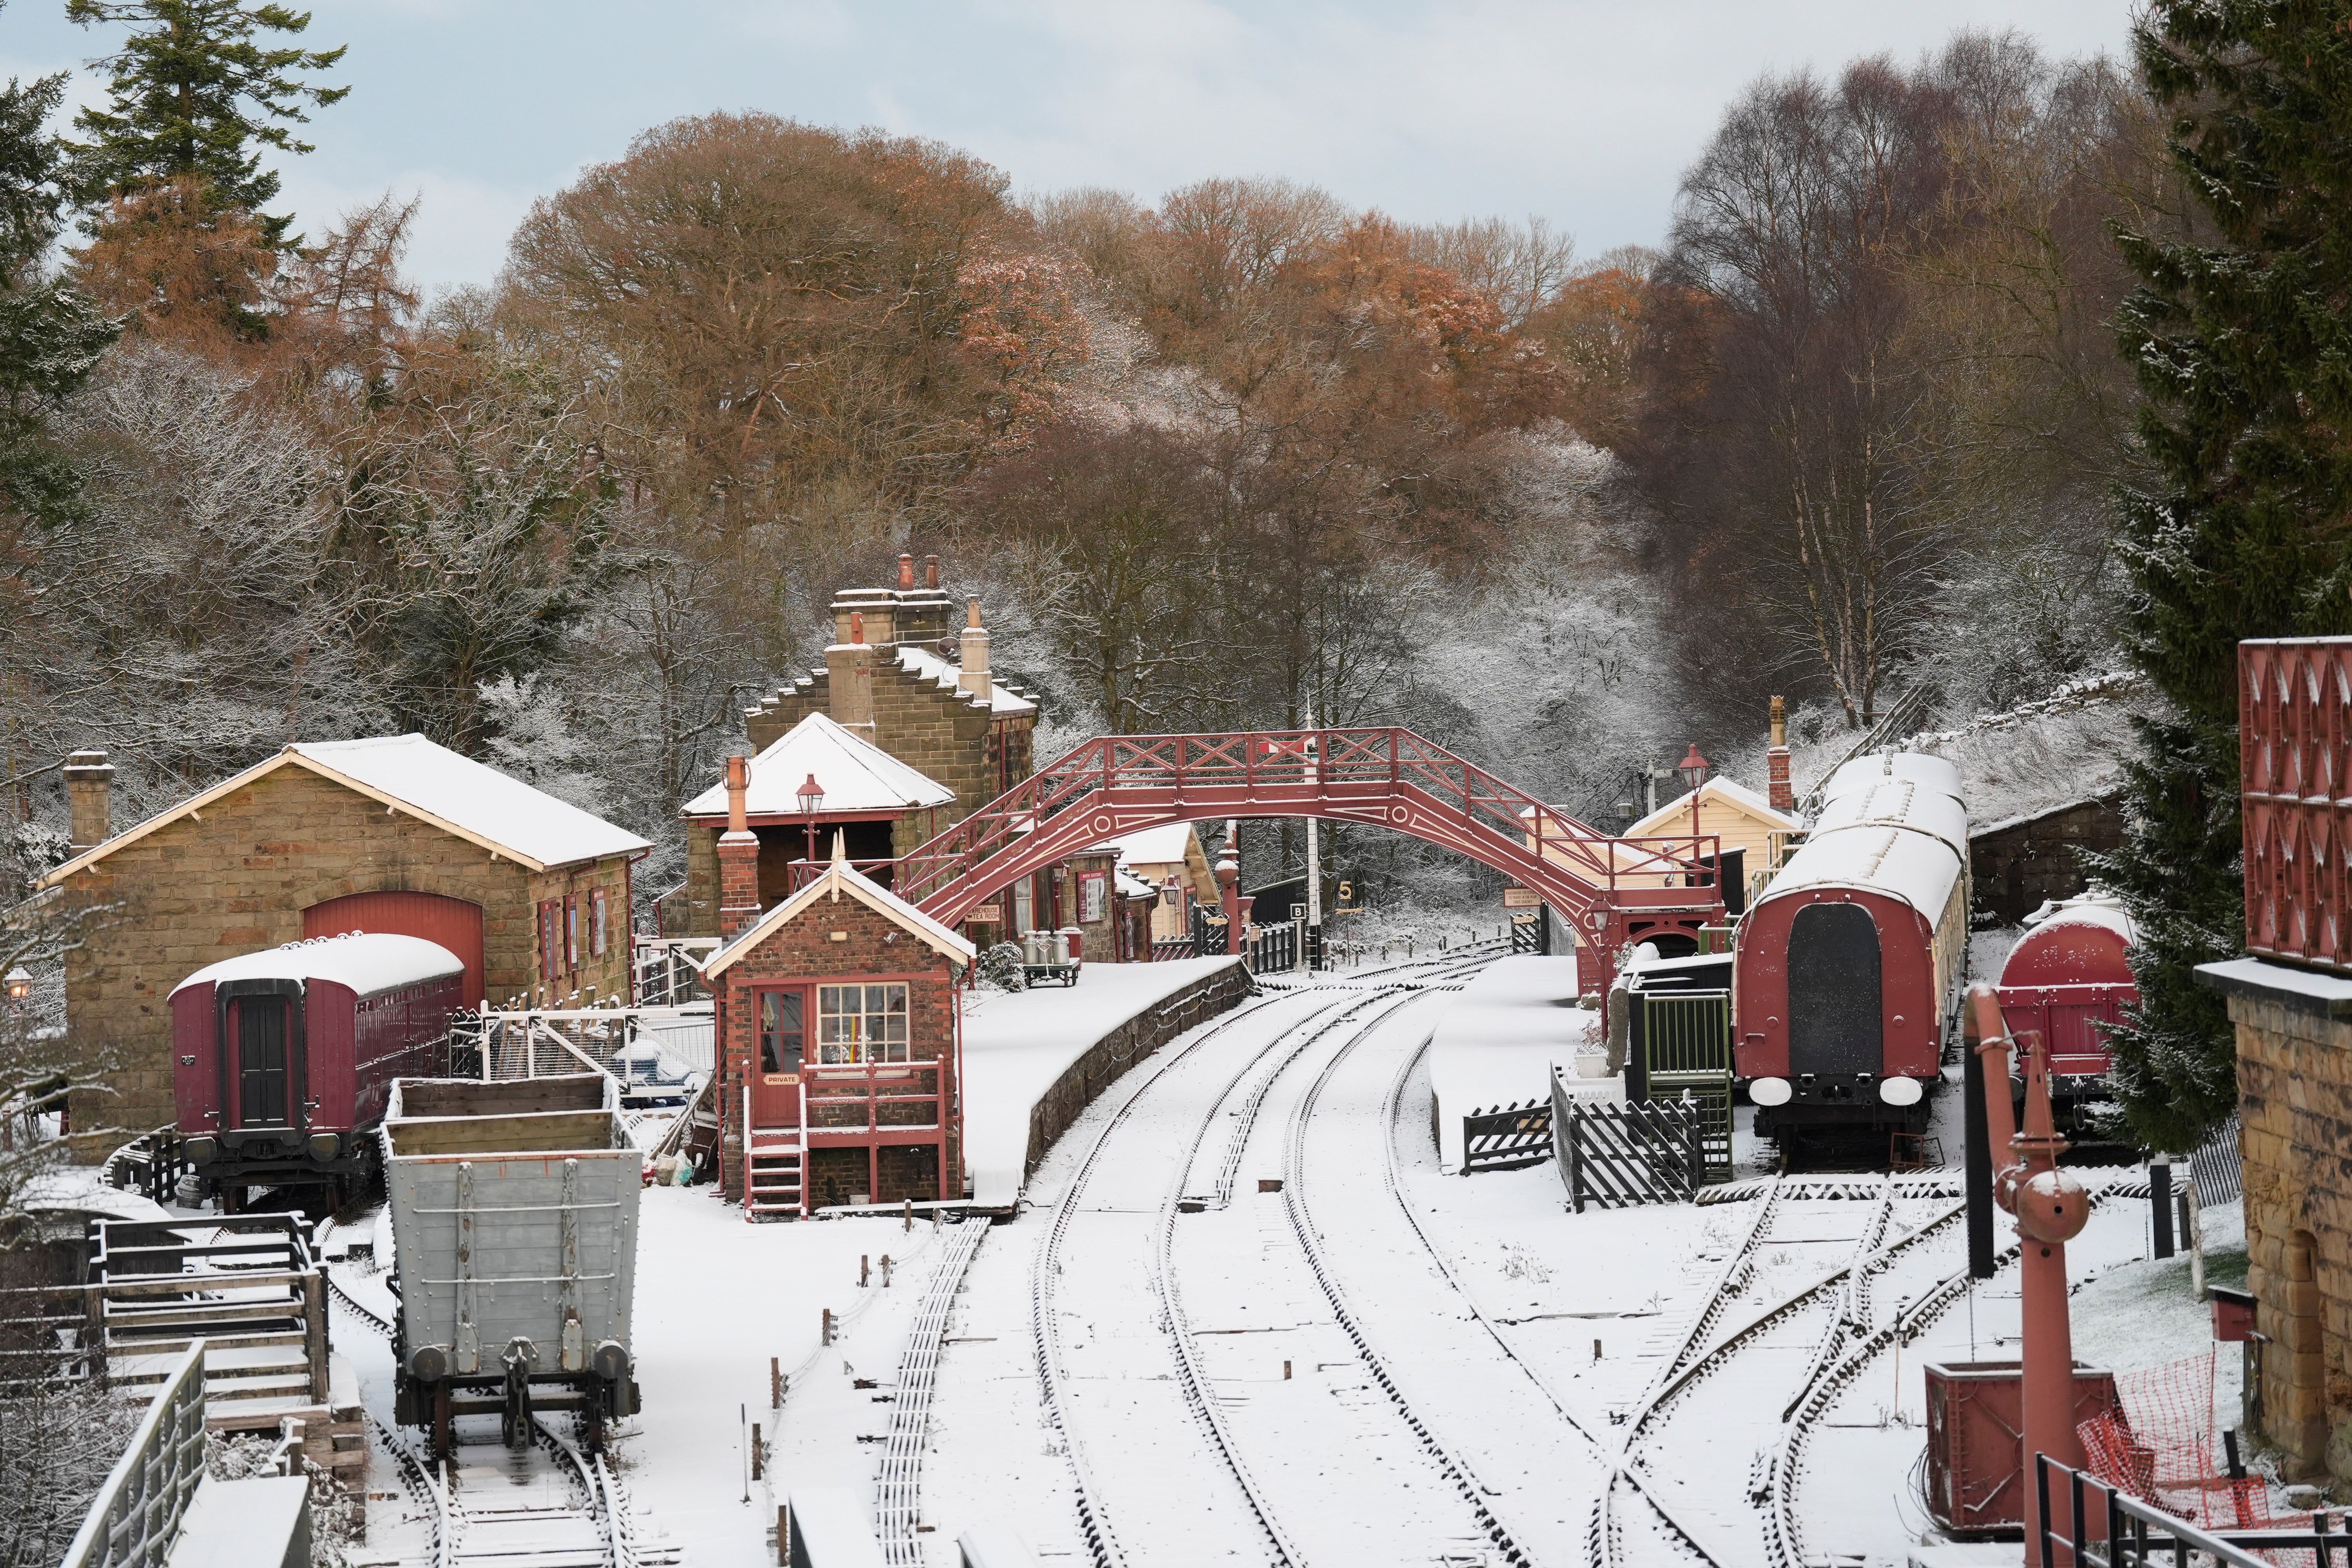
[1094, 1525]
[1294, 1188]
[1189, 1372]
[899, 1480]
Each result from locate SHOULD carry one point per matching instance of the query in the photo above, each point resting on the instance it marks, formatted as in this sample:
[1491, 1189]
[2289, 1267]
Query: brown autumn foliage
[181, 271]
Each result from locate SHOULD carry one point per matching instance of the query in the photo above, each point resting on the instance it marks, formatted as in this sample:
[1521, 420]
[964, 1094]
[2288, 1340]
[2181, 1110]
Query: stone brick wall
[803, 950]
[199, 890]
[2295, 1105]
[2016, 866]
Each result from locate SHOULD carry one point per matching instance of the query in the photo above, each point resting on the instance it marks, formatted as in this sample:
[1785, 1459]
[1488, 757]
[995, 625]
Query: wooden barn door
[453, 922]
[1836, 1010]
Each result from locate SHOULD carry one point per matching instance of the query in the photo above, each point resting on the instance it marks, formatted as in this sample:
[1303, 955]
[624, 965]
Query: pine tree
[50, 336]
[2241, 342]
[194, 96]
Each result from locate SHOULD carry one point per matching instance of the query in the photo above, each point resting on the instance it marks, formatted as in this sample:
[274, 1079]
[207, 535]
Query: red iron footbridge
[1612, 891]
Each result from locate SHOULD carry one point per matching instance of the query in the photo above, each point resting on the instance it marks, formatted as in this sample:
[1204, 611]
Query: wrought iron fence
[1272, 949]
[1508, 1137]
[2090, 1524]
[138, 1511]
[2294, 780]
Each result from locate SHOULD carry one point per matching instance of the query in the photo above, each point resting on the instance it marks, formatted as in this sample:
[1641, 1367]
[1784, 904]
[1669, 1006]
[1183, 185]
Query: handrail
[2111, 1528]
[133, 1520]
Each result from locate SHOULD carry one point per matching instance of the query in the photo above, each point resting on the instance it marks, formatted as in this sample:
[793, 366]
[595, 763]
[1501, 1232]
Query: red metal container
[1976, 1457]
[2068, 980]
[2233, 1314]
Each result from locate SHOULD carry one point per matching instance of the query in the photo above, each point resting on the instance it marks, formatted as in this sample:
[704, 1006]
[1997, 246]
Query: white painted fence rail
[137, 1512]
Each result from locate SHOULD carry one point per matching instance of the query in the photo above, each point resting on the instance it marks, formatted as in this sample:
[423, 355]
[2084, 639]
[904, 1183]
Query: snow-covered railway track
[549, 1505]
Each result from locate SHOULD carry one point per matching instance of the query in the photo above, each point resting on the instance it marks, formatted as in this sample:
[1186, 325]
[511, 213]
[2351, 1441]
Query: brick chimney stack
[90, 786]
[1776, 762]
[738, 856]
[973, 654]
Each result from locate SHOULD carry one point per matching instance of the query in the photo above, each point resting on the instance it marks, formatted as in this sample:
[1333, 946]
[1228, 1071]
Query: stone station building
[393, 833]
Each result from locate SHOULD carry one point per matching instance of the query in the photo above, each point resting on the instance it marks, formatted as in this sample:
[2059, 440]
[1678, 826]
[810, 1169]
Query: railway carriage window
[1835, 1001]
[780, 1031]
[861, 1023]
[261, 1062]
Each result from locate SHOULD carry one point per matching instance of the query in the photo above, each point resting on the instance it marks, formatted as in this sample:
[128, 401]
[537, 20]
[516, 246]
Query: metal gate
[1683, 1039]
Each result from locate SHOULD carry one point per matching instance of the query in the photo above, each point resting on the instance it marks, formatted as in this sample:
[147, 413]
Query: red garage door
[453, 922]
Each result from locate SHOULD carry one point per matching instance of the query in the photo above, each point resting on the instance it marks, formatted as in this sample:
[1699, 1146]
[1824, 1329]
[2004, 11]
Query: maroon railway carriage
[1845, 965]
[284, 1059]
[2069, 979]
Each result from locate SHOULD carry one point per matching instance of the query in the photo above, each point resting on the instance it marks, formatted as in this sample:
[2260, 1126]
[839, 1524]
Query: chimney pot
[856, 626]
[906, 571]
[971, 674]
[930, 570]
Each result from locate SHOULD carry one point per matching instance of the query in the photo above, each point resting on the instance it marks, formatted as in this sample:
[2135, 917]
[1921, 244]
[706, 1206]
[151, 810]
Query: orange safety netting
[2161, 1446]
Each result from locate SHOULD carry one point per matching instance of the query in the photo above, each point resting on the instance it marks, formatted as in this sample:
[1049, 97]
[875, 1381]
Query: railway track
[549, 1505]
[1195, 1502]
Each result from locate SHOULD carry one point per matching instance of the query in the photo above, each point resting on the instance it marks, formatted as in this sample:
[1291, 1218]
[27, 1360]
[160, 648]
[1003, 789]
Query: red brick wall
[871, 948]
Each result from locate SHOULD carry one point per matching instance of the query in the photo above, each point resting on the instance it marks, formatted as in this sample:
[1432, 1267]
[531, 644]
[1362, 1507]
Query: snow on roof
[1728, 791]
[430, 782]
[1892, 801]
[840, 878]
[1162, 845]
[857, 775]
[2097, 908]
[1917, 868]
[1917, 767]
[481, 800]
[1132, 885]
[367, 962]
[921, 662]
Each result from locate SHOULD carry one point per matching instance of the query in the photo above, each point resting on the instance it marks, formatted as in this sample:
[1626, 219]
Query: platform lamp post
[19, 984]
[812, 798]
[2050, 1207]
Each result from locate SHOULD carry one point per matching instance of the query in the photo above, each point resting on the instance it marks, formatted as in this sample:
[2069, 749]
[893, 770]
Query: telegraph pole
[1314, 861]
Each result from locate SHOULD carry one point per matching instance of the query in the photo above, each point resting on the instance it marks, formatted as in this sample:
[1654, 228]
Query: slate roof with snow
[430, 782]
[367, 962]
[857, 775]
[1675, 815]
[840, 878]
[921, 662]
[1161, 845]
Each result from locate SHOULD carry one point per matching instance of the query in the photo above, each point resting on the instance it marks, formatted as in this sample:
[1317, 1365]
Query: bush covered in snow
[1000, 967]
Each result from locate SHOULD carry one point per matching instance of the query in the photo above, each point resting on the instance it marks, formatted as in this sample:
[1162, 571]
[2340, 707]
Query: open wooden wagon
[514, 1222]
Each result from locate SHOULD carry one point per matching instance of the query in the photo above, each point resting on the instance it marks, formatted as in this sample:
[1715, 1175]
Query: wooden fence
[1508, 1137]
[1619, 1154]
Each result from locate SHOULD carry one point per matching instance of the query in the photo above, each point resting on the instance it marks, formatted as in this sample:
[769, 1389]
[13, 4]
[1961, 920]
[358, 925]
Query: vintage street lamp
[19, 984]
[1694, 769]
[812, 799]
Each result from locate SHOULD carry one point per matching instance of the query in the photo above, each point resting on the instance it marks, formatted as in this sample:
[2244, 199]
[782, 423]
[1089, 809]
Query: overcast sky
[1584, 111]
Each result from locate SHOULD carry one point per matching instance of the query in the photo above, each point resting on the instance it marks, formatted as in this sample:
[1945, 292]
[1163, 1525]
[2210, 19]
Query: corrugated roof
[857, 775]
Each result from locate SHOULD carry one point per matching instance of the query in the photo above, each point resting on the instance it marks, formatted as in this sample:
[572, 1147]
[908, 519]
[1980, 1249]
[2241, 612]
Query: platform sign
[1522, 899]
[985, 914]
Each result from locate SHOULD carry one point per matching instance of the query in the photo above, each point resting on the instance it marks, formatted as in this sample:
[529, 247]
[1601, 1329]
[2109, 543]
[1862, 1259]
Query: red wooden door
[779, 1039]
[453, 922]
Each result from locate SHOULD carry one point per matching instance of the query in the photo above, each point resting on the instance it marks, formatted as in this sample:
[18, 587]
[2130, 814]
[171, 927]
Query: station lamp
[19, 984]
[1694, 769]
[812, 799]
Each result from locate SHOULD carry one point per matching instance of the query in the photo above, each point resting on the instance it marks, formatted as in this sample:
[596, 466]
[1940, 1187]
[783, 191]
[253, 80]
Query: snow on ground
[1017, 1045]
[1496, 1040]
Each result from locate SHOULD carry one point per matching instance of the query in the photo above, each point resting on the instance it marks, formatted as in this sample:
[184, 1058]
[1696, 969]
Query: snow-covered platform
[1497, 1041]
[1026, 1066]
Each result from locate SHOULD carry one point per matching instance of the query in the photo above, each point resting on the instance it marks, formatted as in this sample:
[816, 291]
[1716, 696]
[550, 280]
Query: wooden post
[784, 1536]
[775, 1384]
[826, 1338]
[755, 1451]
[862, 1270]
[906, 1205]
[885, 1271]
[314, 1331]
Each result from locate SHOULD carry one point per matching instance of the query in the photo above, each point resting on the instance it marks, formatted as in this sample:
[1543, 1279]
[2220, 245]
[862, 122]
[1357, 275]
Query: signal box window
[861, 1023]
[780, 1031]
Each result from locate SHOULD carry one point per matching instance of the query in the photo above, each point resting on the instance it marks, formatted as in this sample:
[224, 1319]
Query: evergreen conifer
[2240, 341]
[194, 96]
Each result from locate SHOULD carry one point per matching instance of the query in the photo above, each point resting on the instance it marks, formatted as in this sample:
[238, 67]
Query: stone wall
[2016, 866]
[237, 878]
[871, 948]
[2294, 1102]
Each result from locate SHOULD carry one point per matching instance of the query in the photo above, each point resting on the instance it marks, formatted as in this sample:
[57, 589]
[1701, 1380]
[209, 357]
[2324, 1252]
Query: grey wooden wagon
[514, 1223]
